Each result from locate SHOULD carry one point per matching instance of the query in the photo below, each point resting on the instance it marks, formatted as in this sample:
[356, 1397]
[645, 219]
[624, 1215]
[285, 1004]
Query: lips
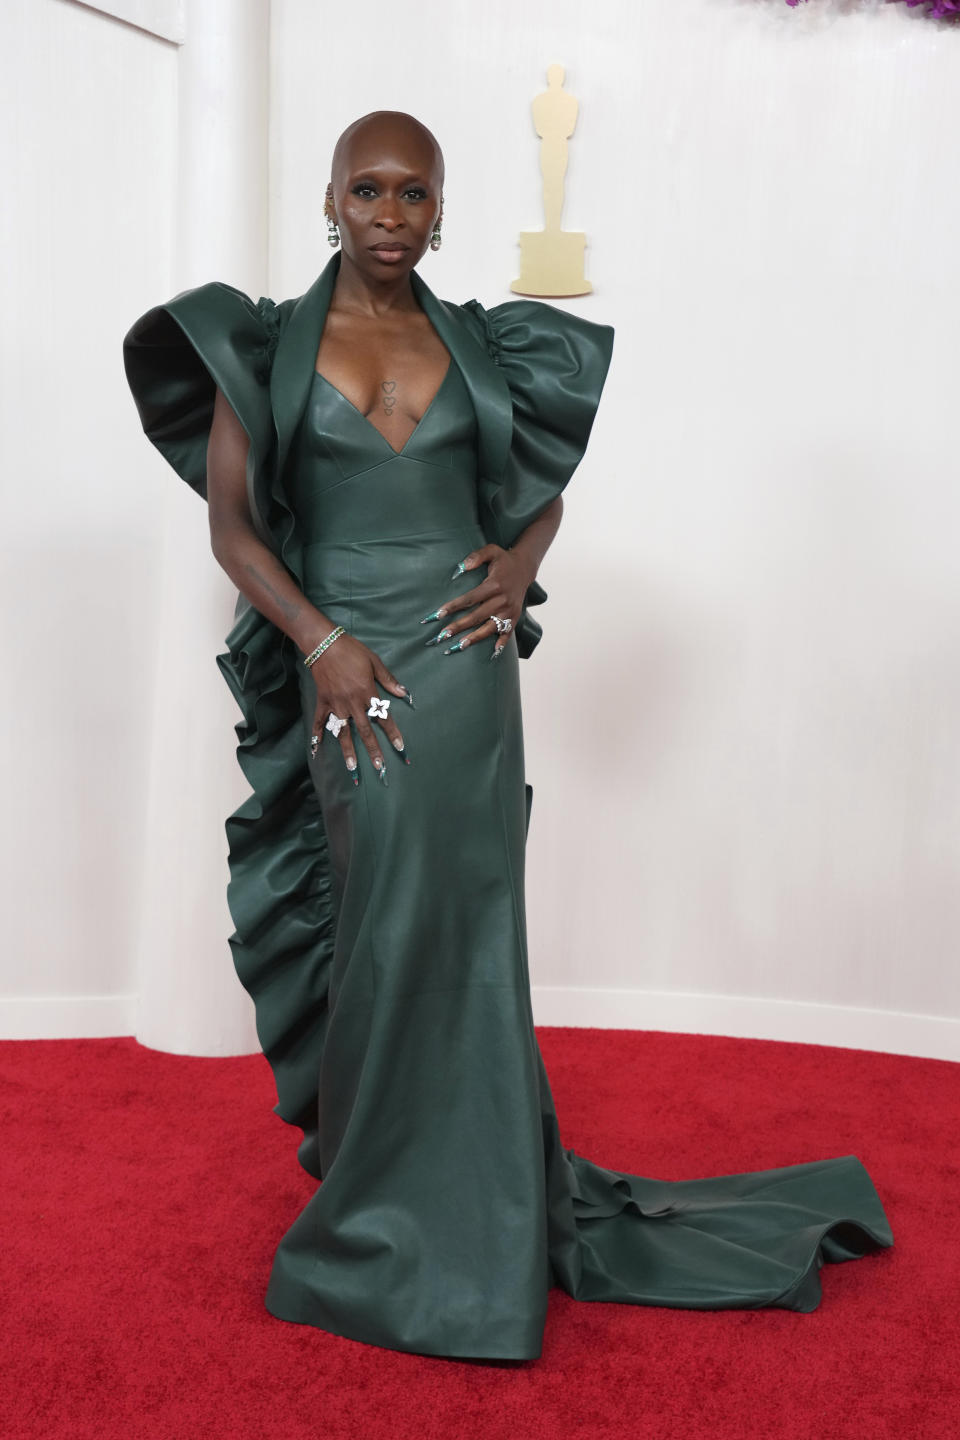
[389, 252]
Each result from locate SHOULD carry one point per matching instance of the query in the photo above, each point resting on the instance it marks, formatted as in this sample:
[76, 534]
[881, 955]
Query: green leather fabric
[381, 929]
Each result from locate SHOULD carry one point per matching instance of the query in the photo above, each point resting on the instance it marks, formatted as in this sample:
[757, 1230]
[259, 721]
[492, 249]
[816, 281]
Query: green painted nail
[437, 615]
[444, 635]
[459, 570]
[458, 645]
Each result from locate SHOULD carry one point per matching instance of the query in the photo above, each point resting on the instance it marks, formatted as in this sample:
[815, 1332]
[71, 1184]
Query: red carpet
[143, 1195]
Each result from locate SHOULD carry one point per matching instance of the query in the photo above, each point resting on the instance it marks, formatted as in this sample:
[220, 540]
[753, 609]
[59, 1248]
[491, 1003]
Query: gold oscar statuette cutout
[551, 259]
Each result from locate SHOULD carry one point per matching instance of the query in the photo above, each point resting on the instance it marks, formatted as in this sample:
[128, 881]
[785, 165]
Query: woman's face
[386, 198]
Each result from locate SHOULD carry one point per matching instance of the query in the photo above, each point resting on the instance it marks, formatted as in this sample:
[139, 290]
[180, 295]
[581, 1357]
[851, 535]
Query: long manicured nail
[458, 645]
[437, 615]
[497, 650]
[381, 770]
[444, 635]
[409, 700]
[398, 746]
[459, 570]
[352, 769]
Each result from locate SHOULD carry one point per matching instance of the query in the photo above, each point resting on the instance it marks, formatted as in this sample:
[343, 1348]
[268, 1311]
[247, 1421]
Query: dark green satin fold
[381, 930]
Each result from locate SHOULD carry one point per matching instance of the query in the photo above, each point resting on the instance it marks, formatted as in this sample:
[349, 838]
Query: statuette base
[551, 263]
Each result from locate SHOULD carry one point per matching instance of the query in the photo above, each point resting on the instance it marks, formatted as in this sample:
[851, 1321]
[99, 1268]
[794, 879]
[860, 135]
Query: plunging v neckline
[366, 418]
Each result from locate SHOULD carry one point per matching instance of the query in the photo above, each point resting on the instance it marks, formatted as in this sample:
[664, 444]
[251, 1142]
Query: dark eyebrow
[369, 175]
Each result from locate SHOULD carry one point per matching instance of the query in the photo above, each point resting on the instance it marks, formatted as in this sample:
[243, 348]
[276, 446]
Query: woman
[383, 473]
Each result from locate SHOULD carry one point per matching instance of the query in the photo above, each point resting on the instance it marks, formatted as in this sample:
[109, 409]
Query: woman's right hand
[346, 677]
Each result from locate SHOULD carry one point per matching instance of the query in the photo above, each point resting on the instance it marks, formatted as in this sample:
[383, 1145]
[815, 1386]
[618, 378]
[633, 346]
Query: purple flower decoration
[935, 9]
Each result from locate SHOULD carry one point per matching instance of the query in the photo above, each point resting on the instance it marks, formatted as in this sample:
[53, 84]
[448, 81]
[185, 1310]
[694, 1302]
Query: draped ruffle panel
[280, 887]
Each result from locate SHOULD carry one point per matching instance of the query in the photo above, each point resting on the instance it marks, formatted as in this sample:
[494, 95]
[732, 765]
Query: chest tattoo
[389, 388]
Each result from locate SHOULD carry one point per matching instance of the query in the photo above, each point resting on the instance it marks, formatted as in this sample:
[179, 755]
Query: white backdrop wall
[740, 721]
[89, 165]
[138, 168]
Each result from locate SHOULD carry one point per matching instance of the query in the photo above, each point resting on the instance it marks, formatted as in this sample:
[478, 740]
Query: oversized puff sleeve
[176, 354]
[280, 887]
[555, 364]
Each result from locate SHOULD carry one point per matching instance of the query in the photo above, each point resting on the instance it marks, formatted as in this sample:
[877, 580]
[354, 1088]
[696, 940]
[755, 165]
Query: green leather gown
[380, 929]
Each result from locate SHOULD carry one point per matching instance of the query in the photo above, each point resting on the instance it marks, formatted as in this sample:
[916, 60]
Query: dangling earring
[333, 233]
[436, 240]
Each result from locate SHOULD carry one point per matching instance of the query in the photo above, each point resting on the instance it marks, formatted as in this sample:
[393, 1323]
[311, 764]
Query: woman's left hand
[501, 593]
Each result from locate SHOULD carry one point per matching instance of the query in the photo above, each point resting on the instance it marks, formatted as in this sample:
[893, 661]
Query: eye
[416, 192]
[364, 187]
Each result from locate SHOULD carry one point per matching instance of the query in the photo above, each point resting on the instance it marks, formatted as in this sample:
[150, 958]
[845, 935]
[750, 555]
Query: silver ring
[379, 706]
[335, 724]
[503, 626]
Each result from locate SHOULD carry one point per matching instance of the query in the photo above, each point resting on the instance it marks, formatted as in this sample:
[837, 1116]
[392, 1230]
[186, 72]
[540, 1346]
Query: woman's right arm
[346, 674]
[252, 566]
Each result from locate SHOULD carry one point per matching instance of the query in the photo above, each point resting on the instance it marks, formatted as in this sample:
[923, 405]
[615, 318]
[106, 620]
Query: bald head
[387, 184]
[387, 132]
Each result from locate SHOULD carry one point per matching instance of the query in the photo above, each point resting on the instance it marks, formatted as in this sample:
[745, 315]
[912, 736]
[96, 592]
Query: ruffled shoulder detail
[177, 353]
[555, 365]
[270, 315]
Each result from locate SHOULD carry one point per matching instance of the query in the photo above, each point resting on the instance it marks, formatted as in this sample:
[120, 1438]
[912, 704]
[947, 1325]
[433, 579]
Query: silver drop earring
[333, 233]
[436, 239]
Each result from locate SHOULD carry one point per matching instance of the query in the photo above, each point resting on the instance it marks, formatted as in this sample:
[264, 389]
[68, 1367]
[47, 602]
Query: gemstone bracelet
[334, 635]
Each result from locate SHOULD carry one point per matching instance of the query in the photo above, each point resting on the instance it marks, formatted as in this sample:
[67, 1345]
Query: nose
[388, 218]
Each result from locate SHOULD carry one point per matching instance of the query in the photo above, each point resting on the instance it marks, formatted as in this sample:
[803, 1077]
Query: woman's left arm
[509, 575]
